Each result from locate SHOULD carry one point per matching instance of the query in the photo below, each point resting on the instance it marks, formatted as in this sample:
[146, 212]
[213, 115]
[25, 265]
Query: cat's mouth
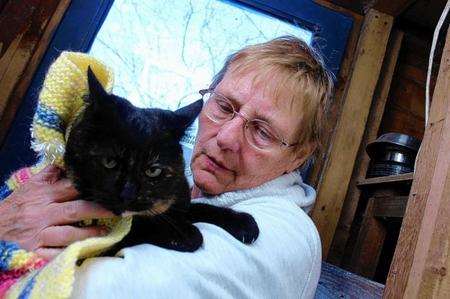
[158, 208]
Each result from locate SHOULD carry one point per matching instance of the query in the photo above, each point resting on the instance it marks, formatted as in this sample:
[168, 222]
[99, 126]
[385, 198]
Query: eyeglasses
[258, 133]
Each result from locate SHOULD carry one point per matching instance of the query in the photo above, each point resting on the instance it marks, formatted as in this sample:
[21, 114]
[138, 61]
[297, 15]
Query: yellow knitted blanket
[60, 100]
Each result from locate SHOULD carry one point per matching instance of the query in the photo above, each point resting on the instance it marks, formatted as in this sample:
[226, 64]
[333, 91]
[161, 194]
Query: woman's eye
[263, 134]
[224, 107]
[153, 171]
[109, 162]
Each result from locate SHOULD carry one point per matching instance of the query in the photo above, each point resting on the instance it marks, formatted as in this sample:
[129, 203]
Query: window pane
[163, 52]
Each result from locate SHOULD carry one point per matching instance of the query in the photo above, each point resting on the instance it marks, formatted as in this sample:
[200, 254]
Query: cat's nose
[128, 192]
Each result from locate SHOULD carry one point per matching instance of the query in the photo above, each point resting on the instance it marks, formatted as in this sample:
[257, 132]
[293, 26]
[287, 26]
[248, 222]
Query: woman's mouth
[213, 165]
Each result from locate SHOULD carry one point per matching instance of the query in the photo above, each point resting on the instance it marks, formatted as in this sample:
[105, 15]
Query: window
[170, 50]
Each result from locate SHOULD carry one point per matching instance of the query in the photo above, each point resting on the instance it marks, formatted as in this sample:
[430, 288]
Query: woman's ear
[301, 155]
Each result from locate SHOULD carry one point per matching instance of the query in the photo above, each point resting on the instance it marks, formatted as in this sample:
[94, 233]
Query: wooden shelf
[400, 178]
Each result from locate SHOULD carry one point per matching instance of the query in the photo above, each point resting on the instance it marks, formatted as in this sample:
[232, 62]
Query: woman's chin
[207, 182]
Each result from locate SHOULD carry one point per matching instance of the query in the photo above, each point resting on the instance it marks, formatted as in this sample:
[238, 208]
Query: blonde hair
[298, 69]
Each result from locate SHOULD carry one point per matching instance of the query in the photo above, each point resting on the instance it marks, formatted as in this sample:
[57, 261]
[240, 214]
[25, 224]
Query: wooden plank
[16, 16]
[22, 49]
[421, 260]
[350, 128]
[390, 207]
[354, 5]
[390, 7]
[429, 272]
[399, 178]
[2, 5]
[337, 283]
[341, 86]
[351, 201]
[369, 243]
[405, 107]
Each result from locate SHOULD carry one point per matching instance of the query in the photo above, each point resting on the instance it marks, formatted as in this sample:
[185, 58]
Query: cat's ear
[187, 114]
[96, 90]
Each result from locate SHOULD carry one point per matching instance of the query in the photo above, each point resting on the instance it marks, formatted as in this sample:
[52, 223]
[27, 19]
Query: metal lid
[402, 141]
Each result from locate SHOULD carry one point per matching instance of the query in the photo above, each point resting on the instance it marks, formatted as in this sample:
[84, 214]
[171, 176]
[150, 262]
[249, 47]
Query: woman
[262, 119]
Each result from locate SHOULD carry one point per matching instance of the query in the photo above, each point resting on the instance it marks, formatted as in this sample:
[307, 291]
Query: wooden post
[421, 264]
[341, 86]
[350, 128]
[362, 160]
[369, 243]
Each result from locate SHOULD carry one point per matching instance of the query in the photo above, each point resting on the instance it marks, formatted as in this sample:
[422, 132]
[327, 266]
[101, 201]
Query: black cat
[129, 160]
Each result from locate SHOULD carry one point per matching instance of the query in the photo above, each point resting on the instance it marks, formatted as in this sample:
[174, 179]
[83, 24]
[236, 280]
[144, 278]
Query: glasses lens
[218, 108]
[260, 135]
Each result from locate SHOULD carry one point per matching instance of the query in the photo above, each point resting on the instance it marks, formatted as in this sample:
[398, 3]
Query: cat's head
[127, 158]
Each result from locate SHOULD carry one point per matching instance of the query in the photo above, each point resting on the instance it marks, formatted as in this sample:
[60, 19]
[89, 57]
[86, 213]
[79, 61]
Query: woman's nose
[231, 134]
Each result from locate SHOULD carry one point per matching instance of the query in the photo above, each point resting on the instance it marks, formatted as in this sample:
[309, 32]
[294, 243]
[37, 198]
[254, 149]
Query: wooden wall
[404, 113]
[422, 257]
[27, 27]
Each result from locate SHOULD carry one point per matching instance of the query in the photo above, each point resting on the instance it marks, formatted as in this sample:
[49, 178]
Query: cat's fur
[129, 160]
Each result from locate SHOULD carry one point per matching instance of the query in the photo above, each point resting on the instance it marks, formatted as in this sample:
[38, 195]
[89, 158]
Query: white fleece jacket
[284, 262]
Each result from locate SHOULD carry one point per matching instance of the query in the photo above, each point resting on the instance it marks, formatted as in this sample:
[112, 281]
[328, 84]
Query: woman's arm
[284, 262]
[38, 215]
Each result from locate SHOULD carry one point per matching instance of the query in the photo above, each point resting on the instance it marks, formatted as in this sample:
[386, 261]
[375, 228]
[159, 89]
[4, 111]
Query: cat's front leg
[240, 225]
[165, 231]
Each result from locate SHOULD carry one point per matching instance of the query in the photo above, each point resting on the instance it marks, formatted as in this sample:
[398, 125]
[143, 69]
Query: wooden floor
[337, 283]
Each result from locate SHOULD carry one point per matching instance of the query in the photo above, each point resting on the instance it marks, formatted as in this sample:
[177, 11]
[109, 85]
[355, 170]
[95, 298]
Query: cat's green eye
[109, 162]
[153, 171]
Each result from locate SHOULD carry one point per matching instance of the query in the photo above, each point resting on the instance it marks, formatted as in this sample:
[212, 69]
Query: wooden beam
[350, 128]
[354, 5]
[390, 7]
[420, 268]
[398, 178]
[369, 243]
[31, 25]
[362, 160]
[343, 81]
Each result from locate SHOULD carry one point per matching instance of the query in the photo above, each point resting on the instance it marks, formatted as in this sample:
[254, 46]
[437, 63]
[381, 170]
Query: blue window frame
[80, 24]
[330, 29]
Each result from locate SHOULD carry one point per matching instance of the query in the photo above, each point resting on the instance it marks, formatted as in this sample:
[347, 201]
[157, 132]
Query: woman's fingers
[61, 236]
[63, 190]
[41, 203]
[77, 210]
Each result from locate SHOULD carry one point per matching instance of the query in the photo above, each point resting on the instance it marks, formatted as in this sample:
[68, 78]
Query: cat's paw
[244, 228]
[188, 240]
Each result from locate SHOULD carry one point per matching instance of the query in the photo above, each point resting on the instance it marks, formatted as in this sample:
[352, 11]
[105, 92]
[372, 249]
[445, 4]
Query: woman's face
[223, 160]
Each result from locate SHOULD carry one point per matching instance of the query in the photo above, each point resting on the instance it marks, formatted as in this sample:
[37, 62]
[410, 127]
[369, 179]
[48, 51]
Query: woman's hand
[39, 214]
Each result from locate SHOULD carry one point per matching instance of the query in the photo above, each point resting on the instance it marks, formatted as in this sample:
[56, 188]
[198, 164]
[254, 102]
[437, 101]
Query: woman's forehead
[265, 88]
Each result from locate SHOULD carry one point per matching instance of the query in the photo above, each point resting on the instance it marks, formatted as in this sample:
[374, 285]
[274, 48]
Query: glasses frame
[282, 142]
